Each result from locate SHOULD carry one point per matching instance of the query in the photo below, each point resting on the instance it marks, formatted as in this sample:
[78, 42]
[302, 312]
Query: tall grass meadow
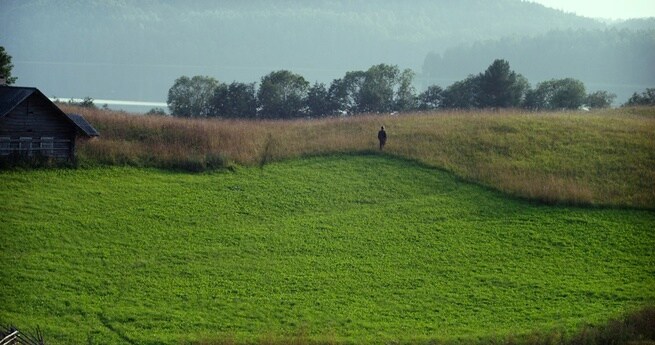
[604, 157]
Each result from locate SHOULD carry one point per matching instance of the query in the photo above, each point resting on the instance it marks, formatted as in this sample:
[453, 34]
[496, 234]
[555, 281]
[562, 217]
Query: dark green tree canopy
[380, 89]
[237, 100]
[386, 88]
[282, 94]
[567, 93]
[500, 87]
[318, 102]
[463, 94]
[405, 98]
[192, 97]
[600, 99]
[646, 98]
[430, 99]
[345, 93]
[377, 92]
[6, 66]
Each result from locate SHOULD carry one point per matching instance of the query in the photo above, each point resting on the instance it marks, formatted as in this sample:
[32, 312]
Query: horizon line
[111, 102]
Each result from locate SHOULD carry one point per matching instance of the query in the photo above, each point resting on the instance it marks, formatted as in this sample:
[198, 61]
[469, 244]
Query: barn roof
[83, 125]
[12, 96]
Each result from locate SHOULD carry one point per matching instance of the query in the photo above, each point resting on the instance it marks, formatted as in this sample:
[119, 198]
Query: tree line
[382, 88]
[284, 94]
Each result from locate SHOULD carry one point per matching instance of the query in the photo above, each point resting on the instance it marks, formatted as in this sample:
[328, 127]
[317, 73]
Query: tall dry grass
[598, 158]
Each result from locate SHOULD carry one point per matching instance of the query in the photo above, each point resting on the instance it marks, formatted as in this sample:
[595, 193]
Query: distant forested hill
[129, 49]
[618, 60]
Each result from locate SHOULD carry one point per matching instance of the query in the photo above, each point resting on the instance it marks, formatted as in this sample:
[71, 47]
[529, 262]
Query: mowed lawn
[362, 249]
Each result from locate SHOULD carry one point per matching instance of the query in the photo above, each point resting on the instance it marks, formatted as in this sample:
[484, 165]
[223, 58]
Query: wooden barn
[33, 126]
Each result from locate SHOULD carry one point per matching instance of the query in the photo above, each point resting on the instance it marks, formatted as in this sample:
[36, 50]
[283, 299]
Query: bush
[600, 99]
[646, 98]
[556, 94]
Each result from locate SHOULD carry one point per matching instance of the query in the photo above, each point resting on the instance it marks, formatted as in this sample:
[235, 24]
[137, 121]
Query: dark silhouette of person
[382, 136]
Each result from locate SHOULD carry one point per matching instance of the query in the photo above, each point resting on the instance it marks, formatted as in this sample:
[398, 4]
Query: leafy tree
[381, 88]
[535, 99]
[554, 94]
[282, 94]
[463, 94]
[378, 89]
[569, 94]
[243, 99]
[345, 93]
[237, 100]
[405, 94]
[600, 99]
[157, 111]
[430, 99]
[645, 98]
[500, 86]
[6, 66]
[220, 100]
[318, 101]
[192, 97]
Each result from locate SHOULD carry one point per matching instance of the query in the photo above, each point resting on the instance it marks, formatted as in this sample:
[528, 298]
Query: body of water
[113, 104]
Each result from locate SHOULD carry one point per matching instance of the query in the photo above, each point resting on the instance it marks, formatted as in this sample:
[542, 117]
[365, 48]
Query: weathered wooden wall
[35, 119]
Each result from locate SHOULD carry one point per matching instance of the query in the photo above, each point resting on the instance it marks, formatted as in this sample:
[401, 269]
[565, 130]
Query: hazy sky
[613, 9]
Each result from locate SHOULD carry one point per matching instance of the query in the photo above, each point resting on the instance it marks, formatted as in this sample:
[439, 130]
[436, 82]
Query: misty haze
[134, 50]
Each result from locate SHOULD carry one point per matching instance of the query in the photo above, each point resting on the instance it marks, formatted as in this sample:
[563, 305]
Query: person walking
[382, 137]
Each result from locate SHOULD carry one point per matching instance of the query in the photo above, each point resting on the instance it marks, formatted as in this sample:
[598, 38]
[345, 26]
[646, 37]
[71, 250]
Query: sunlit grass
[339, 249]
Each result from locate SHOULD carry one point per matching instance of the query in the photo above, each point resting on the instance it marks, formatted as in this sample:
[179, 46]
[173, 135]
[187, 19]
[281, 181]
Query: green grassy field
[337, 249]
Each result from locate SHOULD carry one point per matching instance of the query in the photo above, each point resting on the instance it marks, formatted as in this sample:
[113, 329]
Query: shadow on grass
[637, 328]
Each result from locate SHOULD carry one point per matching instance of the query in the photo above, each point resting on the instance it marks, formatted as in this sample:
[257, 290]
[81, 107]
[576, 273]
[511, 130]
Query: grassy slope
[338, 248]
[600, 158]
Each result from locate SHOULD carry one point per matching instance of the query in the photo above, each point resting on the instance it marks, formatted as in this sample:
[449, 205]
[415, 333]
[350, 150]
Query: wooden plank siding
[32, 126]
[34, 118]
[56, 148]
